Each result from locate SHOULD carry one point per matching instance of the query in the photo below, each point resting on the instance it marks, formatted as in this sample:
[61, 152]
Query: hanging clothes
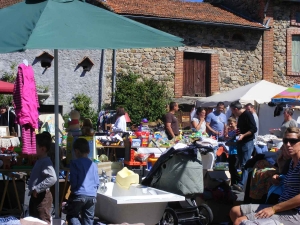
[26, 107]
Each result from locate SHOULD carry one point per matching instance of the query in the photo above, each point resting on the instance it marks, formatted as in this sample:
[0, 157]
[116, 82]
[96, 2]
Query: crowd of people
[215, 124]
[240, 132]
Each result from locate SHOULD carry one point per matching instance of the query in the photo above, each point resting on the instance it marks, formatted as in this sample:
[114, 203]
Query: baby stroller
[180, 171]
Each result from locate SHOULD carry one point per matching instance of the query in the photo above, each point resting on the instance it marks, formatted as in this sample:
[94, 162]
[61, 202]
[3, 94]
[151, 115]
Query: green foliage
[9, 77]
[42, 88]
[12, 75]
[66, 120]
[141, 97]
[82, 103]
[6, 100]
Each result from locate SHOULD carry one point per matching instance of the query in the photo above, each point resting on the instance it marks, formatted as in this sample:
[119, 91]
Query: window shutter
[296, 53]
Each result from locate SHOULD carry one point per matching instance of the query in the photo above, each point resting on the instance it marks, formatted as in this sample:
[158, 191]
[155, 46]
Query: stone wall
[72, 80]
[156, 63]
[239, 50]
[282, 20]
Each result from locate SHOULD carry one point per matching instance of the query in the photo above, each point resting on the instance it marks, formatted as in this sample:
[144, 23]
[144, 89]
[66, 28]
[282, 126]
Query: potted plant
[42, 92]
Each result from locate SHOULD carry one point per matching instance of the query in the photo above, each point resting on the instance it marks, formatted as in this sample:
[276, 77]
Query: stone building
[223, 49]
[242, 41]
[228, 43]
[281, 40]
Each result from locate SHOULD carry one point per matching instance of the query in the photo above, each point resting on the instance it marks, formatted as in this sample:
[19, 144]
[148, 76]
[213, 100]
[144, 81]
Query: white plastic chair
[208, 160]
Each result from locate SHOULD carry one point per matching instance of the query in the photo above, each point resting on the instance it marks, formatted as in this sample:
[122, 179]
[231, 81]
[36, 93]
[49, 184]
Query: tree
[11, 75]
[82, 103]
[8, 77]
[141, 97]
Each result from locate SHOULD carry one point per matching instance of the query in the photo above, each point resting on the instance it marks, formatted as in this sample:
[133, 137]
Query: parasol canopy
[290, 95]
[72, 24]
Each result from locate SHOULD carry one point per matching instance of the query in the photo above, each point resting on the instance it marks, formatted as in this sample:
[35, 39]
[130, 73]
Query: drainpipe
[101, 79]
[113, 78]
[265, 14]
[266, 8]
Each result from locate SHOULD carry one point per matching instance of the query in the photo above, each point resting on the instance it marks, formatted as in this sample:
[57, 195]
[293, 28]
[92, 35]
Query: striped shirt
[291, 184]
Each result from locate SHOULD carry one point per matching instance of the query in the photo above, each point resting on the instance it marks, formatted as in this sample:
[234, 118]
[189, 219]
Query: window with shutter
[296, 53]
[297, 17]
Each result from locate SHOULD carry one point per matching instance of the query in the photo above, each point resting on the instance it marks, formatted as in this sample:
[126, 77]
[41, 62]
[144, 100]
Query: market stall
[259, 92]
[269, 121]
[100, 23]
[13, 178]
[272, 117]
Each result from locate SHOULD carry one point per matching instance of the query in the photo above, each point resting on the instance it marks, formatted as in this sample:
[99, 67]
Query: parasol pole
[56, 198]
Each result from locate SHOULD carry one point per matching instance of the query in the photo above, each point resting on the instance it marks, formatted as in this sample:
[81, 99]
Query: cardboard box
[136, 143]
[213, 178]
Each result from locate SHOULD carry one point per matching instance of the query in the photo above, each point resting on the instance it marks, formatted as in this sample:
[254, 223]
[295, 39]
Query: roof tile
[170, 9]
[6, 3]
[194, 11]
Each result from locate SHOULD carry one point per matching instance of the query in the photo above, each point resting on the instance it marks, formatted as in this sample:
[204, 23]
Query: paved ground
[216, 210]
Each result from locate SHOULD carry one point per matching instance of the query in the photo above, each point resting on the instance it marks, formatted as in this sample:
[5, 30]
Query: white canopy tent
[260, 92]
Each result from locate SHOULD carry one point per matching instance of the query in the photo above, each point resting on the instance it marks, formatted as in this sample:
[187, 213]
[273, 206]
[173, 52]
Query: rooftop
[6, 3]
[178, 10]
[173, 10]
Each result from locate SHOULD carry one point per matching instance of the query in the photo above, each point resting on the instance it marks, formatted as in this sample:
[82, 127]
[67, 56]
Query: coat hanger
[25, 61]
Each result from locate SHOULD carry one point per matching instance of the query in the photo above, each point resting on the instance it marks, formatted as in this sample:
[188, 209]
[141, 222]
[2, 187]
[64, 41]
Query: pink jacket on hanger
[25, 97]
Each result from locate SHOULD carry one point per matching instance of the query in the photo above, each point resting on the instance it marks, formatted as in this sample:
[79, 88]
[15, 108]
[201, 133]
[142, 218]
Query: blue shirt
[232, 148]
[217, 122]
[84, 177]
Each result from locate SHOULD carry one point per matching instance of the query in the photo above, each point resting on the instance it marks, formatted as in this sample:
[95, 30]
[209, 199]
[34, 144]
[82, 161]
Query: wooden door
[196, 74]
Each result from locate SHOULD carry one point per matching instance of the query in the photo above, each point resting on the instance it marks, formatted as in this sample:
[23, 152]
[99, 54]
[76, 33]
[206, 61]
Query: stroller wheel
[205, 214]
[169, 217]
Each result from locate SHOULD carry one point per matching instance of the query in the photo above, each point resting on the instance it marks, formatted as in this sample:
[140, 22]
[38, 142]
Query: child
[42, 177]
[84, 181]
[233, 158]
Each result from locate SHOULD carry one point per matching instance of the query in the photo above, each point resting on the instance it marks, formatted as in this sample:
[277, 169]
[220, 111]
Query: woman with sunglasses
[287, 211]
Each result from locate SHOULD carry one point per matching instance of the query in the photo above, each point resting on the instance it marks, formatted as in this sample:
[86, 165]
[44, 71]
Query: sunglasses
[292, 141]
